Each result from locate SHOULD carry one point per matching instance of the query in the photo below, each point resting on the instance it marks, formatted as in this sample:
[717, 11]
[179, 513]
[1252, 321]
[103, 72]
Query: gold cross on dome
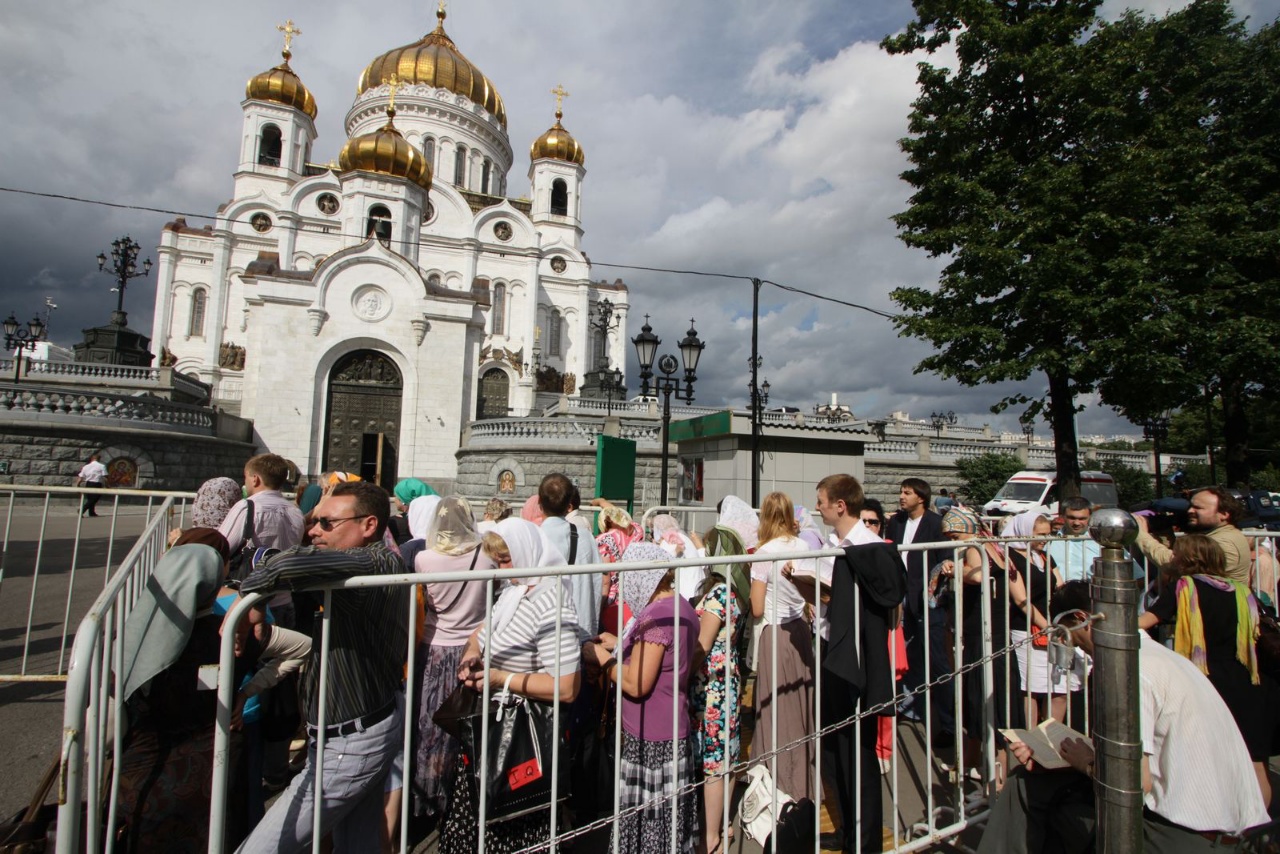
[440, 9]
[560, 94]
[289, 31]
[396, 84]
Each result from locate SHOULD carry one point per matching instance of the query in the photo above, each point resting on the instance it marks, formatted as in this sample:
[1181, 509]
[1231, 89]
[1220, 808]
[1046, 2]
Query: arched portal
[362, 432]
[494, 389]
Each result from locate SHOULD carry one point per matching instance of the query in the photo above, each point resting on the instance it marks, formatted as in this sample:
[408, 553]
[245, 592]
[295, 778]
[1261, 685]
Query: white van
[1038, 490]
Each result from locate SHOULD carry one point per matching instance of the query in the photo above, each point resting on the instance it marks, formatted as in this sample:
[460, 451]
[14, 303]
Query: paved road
[31, 713]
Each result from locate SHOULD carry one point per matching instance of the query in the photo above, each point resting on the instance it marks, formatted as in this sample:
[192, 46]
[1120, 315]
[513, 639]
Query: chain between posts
[756, 760]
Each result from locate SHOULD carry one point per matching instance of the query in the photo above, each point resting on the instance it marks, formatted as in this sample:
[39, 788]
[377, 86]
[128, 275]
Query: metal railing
[929, 801]
[92, 715]
[57, 566]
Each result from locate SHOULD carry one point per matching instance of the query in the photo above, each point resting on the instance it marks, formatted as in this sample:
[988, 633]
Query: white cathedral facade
[362, 312]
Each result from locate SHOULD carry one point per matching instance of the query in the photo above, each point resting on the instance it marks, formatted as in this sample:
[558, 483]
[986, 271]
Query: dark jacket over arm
[876, 572]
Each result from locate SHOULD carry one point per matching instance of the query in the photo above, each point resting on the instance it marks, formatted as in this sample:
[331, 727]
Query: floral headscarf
[455, 527]
[214, 499]
[637, 586]
[422, 517]
[961, 520]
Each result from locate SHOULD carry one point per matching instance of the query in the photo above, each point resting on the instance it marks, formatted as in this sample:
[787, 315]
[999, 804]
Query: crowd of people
[702, 656]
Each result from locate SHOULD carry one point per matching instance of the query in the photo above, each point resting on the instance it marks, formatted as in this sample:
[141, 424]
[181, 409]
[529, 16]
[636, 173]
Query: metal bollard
[1117, 736]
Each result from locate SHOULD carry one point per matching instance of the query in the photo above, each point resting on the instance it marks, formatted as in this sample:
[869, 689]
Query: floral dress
[718, 683]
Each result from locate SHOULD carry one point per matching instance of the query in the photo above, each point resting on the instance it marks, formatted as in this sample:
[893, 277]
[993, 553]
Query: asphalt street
[68, 580]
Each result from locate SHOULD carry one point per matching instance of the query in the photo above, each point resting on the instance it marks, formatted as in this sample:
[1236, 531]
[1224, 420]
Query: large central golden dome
[435, 61]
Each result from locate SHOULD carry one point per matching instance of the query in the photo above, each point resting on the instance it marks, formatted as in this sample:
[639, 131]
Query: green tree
[982, 476]
[1002, 188]
[1133, 485]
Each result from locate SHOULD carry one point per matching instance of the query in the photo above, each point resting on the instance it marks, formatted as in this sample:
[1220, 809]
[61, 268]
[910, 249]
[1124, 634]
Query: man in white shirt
[94, 476]
[1200, 792]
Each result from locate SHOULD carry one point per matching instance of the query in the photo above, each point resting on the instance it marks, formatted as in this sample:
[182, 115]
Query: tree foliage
[1133, 485]
[982, 476]
[1105, 195]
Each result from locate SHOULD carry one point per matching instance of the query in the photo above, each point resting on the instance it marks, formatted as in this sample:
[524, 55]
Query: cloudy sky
[753, 137]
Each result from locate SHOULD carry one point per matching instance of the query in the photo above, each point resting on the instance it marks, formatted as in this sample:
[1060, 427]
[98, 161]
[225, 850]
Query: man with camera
[1213, 512]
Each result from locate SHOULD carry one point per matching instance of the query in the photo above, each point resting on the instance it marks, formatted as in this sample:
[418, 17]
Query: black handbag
[242, 561]
[793, 833]
[516, 770]
[591, 758]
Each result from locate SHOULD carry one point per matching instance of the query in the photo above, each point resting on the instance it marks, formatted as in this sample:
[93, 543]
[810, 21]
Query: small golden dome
[435, 61]
[558, 144]
[386, 152]
[280, 85]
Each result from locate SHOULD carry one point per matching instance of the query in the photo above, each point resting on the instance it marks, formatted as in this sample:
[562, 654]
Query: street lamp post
[605, 379]
[646, 344]
[1156, 429]
[759, 399]
[124, 266]
[942, 419]
[17, 340]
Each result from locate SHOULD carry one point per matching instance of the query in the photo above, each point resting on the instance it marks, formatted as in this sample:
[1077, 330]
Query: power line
[418, 243]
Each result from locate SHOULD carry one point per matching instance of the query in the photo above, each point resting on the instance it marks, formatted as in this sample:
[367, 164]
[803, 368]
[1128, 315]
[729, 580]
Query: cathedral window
[460, 167]
[199, 301]
[484, 175]
[270, 144]
[379, 224]
[559, 198]
[429, 151]
[499, 309]
[554, 323]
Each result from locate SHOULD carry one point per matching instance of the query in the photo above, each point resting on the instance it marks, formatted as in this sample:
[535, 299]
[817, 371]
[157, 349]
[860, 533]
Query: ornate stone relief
[316, 318]
[371, 303]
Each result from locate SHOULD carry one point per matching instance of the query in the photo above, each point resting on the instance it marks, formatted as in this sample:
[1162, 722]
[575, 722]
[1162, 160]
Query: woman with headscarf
[452, 611]
[401, 497]
[653, 678]
[422, 519]
[679, 544]
[1028, 558]
[213, 501]
[524, 650]
[1215, 625]
[961, 524]
[166, 761]
[619, 533]
[716, 695]
[784, 655]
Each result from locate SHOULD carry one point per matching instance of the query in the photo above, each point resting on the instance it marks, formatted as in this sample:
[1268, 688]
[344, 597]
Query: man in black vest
[916, 523]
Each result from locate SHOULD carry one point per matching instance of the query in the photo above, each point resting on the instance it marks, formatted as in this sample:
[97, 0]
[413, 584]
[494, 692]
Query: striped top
[369, 627]
[528, 643]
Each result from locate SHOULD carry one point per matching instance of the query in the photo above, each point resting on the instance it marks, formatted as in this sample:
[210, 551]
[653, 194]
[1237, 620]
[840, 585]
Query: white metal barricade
[92, 719]
[50, 563]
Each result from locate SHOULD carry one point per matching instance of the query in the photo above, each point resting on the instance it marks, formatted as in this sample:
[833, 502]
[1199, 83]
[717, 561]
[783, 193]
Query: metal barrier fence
[928, 801]
[92, 714]
[50, 564]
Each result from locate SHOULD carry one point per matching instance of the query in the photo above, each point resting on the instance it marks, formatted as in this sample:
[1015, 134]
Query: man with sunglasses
[368, 634]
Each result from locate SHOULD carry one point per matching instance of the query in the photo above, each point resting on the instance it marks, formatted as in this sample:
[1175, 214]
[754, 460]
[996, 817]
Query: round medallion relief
[502, 230]
[327, 203]
[371, 303]
[429, 214]
[261, 222]
[558, 264]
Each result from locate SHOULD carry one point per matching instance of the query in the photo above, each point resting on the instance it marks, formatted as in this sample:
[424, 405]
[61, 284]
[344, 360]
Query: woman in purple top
[655, 705]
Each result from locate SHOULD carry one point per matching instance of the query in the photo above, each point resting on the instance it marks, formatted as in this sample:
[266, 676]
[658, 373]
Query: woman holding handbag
[654, 679]
[524, 648]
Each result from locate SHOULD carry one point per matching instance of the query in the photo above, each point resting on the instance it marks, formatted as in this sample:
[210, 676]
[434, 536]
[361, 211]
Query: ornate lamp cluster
[691, 347]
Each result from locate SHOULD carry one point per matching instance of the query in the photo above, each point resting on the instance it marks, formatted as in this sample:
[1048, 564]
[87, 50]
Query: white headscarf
[738, 515]
[530, 549]
[422, 517]
[1020, 528]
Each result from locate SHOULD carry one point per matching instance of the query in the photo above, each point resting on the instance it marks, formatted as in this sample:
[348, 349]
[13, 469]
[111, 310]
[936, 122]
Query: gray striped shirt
[369, 627]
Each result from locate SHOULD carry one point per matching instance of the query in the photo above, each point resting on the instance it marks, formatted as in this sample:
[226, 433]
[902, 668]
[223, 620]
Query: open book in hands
[1045, 742]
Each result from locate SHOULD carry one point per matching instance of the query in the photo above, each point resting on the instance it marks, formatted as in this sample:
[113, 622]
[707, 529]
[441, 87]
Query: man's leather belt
[358, 724]
[1221, 838]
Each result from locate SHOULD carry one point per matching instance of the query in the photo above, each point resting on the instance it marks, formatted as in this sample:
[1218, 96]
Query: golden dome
[435, 61]
[558, 144]
[386, 152]
[280, 85]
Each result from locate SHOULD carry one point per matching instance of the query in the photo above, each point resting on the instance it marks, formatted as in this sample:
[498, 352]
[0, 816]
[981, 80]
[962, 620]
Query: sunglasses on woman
[871, 522]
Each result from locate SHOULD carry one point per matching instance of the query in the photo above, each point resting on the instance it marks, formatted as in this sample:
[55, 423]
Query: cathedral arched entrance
[495, 389]
[362, 433]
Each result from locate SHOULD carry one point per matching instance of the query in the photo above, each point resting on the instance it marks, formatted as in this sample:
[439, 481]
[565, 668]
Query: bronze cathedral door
[363, 428]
